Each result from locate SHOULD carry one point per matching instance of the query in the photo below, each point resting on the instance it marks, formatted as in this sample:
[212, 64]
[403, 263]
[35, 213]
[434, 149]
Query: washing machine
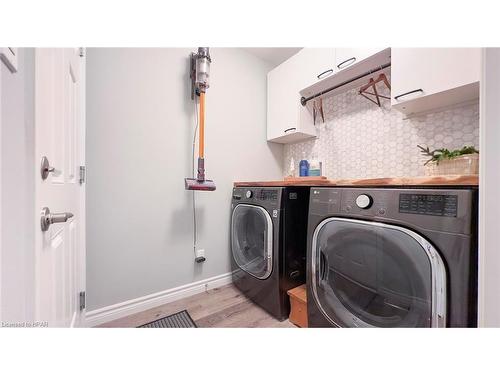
[384, 257]
[268, 244]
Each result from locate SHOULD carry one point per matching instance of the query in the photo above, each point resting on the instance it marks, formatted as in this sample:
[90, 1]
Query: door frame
[1, 209]
[79, 319]
[81, 262]
[489, 180]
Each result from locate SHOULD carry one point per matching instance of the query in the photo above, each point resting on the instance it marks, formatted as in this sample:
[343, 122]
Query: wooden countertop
[451, 180]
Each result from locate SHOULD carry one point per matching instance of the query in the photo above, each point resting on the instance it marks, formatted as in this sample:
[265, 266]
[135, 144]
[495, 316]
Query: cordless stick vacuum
[200, 72]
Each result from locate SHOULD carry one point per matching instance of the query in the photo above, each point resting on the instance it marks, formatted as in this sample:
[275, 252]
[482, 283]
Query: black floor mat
[181, 319]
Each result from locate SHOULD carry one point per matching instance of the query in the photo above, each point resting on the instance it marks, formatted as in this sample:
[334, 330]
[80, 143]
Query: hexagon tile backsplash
[361, 140]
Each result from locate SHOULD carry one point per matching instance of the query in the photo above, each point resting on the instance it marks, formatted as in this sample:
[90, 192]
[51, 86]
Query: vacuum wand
[201, 158]
[200, 71]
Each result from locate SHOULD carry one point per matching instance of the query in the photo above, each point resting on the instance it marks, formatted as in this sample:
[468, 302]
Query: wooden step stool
[298, 304]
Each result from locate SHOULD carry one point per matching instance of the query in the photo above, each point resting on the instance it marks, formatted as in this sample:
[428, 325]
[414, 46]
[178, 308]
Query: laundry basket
[460, 165]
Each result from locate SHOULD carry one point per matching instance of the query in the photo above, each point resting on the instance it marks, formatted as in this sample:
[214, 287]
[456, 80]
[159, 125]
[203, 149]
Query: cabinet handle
[289, 129]
[408, 93]
[325, 73]
[346, 63]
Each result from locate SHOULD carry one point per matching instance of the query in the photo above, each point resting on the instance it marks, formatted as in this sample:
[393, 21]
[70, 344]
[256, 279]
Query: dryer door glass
[251, 240]
[375, 275]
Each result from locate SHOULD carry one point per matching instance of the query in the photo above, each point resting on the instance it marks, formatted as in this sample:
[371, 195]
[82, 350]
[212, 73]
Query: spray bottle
[304, 166]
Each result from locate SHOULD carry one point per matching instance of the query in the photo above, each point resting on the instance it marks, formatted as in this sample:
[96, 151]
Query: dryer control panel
[428, 204]
[450, 210]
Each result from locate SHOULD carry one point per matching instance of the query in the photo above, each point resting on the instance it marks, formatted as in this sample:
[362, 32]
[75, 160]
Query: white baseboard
[106, 314]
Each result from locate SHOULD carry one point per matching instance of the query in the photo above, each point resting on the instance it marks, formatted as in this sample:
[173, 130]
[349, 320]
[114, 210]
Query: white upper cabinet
[281, 95]
[314, 64]
[345, 57]
[287, 120]
[424, 79]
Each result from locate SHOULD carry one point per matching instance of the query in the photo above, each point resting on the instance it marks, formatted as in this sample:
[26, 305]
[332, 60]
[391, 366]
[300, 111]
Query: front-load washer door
[252, 240]
[368, 274]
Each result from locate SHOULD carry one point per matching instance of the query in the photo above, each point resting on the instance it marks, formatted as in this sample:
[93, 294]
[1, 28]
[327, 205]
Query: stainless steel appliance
[383, 257]
[268, 244]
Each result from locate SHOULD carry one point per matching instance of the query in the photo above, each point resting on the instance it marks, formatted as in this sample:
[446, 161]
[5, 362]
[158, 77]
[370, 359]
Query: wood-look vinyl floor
[220, 307]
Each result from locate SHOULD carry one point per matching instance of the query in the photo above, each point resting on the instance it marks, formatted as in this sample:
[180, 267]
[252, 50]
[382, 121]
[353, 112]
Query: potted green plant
[463, 161]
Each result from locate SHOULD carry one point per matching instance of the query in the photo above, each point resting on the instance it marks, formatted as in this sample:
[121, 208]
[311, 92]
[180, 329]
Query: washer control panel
[256, 194]
[267, 194]
[364, 201]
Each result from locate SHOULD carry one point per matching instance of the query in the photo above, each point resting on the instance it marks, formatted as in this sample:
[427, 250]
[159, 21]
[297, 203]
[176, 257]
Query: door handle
[48, 218]
[45, 168]
[408, 93]
[323, 266]
[289, 129]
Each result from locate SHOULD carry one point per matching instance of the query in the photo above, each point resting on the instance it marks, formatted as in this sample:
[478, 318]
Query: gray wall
[18, 189]
[140, 123]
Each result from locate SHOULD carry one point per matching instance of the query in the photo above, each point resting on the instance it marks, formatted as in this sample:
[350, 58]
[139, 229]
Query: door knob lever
[48, 218]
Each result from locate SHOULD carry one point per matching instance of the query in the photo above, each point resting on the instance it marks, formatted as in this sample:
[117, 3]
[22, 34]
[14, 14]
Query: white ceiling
[273, 55]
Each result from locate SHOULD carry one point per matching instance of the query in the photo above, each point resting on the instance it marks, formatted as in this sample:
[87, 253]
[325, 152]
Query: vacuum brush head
[195, 184]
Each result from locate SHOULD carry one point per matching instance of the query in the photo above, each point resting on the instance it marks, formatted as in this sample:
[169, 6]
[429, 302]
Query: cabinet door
[313, 65]
[419, 72]
[282, 99]
[346, 57]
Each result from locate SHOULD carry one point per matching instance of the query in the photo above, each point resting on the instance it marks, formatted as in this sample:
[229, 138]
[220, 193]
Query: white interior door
[59, 262]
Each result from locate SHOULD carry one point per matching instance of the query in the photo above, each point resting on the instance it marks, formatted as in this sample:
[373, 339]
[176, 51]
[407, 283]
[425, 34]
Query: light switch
[9, 56]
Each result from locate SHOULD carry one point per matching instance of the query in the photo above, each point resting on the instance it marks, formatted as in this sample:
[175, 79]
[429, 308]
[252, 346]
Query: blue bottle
[304, 167]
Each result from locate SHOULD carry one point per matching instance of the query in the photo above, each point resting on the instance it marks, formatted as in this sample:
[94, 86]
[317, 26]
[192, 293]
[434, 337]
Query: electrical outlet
[200, 255]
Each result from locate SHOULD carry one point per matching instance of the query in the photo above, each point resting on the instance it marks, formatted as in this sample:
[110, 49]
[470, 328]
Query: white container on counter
[461, 165]
[315, 167]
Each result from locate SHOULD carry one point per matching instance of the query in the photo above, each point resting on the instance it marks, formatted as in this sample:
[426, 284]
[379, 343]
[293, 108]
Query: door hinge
[82, 174]
[82, 300]
[81, 52]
